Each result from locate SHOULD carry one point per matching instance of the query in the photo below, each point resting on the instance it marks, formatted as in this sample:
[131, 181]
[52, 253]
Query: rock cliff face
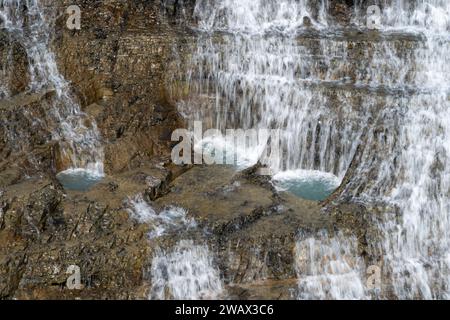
[117, 67]
[120, 66]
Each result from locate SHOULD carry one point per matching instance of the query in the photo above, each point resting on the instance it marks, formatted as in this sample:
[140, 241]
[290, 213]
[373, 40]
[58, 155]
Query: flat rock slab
[229, 203]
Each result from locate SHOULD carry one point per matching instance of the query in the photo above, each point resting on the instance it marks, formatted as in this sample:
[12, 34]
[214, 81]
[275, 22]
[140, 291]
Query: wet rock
[307, 22]
[271, 290]
[26, 142]
[44, 230]
[251, 227]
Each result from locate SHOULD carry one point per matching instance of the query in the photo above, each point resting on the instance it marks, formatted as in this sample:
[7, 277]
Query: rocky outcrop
[45, 230]
[13, 67]
[250, 229]
[117, 67]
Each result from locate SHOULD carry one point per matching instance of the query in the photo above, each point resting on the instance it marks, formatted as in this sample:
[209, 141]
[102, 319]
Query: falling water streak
[25, 22]
[414, 175]
[187, 272]
[259, 16]
[5, 75]
[329, 268]
[261, 75]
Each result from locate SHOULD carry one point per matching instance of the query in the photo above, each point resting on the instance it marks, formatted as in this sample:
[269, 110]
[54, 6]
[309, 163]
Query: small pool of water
[79, 179]
[307, 184]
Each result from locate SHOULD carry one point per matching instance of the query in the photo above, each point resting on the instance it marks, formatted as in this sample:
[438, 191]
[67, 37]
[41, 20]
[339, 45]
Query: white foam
[326, 178]
[27, 23]
[186, 272]
[171, 219]
[94, 170]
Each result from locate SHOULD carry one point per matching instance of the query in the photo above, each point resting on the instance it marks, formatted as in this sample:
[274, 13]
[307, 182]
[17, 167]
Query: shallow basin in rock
[307, 184]
[79, 179]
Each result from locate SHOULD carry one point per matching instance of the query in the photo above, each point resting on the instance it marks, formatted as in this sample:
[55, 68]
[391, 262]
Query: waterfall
[187, 272]
[288, 65]
[329, 268]
[416, 175]
[26, 23]
[259, 16]
[260, 67]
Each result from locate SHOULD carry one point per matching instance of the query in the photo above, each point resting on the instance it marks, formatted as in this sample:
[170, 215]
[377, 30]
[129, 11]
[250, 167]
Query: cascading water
[415, 176]
[265, 71]
[287, 65]
[329, 268]
[26, 23]
[187, 272]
